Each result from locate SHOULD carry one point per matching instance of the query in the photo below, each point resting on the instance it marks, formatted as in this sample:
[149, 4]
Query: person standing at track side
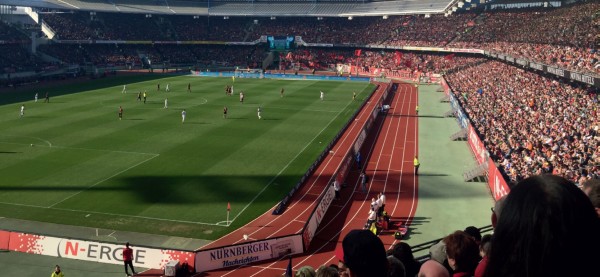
[364, 179]
[57, 272]
[337, 188]
[128, 259]
[417, 164]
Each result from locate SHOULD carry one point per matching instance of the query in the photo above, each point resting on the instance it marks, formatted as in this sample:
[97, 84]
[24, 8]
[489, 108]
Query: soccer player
[166, 103]
[183, 113]
[22, 114]
[167, 88]
[322, 95]
[47, 100]
[242, 97]
[281, 92]
[225, 112]
[353, 95]
[189, 87]
[36, 97]
[258, 112]
[144, 97]
[120, 112]
[139, 98]
[158, 87]
[124, 89]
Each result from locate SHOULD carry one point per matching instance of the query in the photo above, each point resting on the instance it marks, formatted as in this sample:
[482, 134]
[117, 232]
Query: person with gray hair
[432, 268]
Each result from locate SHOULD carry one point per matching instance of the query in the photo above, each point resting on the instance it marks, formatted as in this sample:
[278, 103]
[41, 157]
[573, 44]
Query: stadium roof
[246, 7]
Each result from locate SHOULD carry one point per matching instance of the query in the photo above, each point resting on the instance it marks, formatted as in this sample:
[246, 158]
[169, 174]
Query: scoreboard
[281, 42]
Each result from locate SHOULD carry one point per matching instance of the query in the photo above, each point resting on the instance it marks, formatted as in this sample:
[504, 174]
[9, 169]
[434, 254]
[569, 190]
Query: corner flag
[288, 271]
[228, 206]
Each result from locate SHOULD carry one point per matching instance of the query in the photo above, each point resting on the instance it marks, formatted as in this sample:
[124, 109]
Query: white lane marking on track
[329, 181]
[274, 178]
[348, 222]
[413, 198]
[324, 227]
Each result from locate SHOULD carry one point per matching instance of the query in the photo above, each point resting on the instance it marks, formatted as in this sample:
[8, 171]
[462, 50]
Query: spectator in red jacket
[128, 259]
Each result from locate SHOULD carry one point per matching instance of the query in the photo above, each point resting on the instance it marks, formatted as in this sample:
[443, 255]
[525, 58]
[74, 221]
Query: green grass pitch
[72, 161]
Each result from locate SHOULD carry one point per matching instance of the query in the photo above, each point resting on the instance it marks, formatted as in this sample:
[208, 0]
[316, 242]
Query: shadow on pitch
[202, 189]
[196, 123]
[417, 116]
[432, 174]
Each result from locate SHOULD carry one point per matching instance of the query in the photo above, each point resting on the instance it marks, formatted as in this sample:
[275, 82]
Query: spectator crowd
[564, 37]
[531, 124]
[545, 226]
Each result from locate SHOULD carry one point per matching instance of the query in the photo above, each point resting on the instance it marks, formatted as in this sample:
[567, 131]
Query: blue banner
[243, 75]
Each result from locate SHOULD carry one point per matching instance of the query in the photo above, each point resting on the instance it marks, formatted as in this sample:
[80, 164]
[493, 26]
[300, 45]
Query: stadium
[299, 138]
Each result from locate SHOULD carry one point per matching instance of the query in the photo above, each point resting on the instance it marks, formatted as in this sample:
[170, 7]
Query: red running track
[389, 154]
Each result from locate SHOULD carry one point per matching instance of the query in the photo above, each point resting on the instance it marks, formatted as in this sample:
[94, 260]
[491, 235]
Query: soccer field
[72, 161]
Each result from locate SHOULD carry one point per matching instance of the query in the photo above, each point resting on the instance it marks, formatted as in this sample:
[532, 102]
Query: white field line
[101, 181]
[36, 138]
[86, 149]
[278, 174]
[111, 214]
[353, 126]
[324, 227]
[366, 195]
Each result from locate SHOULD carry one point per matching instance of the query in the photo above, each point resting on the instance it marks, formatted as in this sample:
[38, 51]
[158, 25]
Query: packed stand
[10, 34]
[360, 30]
[565, 37]
[531, 124]
[72, 54]
[72, 26]
[391, 61]
[537, 38]
[436, 30]
[16, 58]
[132, 27]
